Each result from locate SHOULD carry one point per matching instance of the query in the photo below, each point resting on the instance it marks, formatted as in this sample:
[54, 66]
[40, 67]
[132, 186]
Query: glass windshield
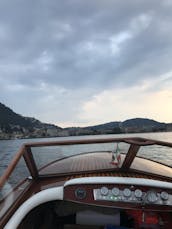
[45, 155]
[157, 153]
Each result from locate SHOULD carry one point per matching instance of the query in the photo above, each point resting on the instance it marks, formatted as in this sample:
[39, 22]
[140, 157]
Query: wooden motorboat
[95, 188]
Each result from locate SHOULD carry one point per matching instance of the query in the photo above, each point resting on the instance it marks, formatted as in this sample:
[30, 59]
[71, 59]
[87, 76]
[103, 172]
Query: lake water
[9, 147]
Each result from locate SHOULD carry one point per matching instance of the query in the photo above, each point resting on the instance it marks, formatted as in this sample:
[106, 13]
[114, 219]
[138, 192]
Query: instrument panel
[124, 196]
[133, 195]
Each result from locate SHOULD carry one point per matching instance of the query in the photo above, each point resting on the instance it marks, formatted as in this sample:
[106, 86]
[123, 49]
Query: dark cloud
[81, 46]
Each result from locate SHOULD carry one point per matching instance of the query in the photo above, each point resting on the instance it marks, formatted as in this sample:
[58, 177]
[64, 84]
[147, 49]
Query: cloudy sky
[79, 63]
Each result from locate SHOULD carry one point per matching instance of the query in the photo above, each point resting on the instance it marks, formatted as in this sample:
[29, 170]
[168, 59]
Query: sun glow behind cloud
[79, 63]
[129, 103]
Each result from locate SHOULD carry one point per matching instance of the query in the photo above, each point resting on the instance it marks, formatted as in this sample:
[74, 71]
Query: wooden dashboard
[116, 195]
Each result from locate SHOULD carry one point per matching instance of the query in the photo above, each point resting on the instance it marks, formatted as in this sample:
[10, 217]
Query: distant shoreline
[49, 137]
[14, 126]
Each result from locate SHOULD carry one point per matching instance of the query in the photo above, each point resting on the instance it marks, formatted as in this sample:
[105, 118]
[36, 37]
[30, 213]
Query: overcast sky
[85, 62]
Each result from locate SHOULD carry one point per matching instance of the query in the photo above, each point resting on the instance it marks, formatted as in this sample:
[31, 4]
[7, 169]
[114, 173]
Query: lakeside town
[14, 126]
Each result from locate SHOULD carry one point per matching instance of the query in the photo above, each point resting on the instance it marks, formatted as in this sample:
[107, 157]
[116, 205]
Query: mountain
[143, 125]
[8, 117]
[15, 125]
[141, 122]
[136, 125]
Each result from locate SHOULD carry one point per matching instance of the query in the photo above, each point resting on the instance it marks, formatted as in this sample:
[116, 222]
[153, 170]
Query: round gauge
[152, 197]
[127, 192]
[104, 191]
[80, 193]
[115, 191]
[164, 195]
[138, 193]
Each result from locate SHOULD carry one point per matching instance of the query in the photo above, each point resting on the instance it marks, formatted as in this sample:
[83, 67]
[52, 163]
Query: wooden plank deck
[84, 162]
[102, 161]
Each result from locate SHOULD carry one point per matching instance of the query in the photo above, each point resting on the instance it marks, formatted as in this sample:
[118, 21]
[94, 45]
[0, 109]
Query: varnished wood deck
[84, 162]
[101, 161]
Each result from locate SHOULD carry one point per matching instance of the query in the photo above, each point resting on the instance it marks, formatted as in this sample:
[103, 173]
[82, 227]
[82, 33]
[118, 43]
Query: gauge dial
[164, 195]
[152, 197]
[138, 193]
[115, 191]
[104, 191]
[127, 192]
[80, 193]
